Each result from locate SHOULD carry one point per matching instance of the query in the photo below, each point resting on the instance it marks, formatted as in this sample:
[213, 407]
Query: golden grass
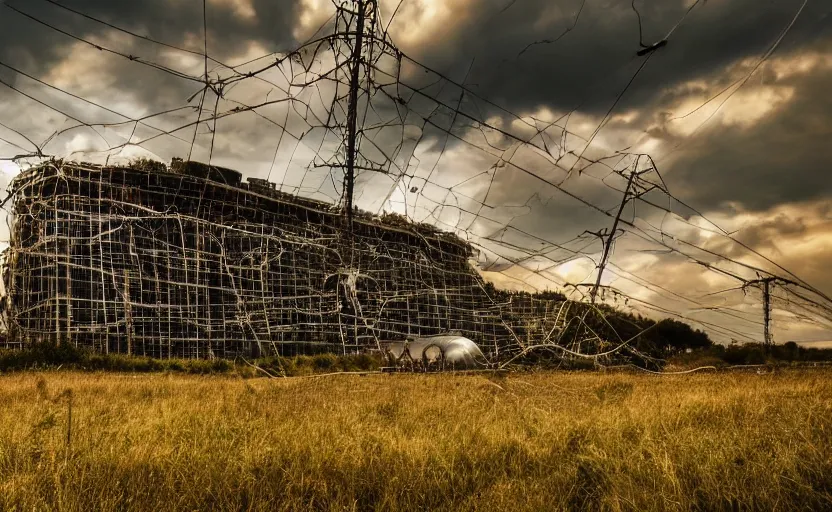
[426, 442]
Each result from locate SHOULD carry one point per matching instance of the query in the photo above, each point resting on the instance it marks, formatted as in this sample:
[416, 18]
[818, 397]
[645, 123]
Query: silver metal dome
[450, 351]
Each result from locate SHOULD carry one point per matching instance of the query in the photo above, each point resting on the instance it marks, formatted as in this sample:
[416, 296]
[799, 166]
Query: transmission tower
[354, 40]
[352, 111]
[766, 284]
[609, 237]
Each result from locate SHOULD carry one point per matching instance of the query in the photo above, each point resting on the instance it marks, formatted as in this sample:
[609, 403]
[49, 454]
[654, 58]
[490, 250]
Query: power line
[102, 48]
[125, 31]
[89, 102]
[349, 145]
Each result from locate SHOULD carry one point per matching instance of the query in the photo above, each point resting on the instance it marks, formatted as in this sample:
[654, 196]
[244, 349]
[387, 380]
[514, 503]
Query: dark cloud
[783, 159]
[175, 23]
[592, 63]
[36, 49]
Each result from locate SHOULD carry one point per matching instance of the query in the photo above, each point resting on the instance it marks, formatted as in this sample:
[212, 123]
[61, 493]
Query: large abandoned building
[189, 261]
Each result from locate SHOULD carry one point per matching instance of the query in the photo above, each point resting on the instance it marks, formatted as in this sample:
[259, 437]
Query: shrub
[750, 353]
[39, 356]
[360, 362]
[69, 357]
[324, 361]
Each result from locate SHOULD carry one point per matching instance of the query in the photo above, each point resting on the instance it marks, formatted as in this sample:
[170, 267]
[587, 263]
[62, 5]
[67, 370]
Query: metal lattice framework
[193, 263]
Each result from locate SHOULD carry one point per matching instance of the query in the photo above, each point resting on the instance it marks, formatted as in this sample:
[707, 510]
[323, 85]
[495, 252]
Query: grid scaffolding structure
[189, 261]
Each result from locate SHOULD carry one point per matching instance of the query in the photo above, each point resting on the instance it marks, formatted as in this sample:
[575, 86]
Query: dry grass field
[550, 441]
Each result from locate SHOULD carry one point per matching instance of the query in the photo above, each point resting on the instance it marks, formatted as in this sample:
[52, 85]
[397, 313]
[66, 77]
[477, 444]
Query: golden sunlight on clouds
[313, 13]
[809, 243]
[748, 106]
[81, 61]
[577, 270]
[745, 107]
[797, 236]
[89, 73]
[744, 102]
[419, 21]
[625, 117]
[802, 64]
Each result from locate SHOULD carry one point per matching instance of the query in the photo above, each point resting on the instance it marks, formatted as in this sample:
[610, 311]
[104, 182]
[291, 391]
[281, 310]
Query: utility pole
[352, 112]
[767, 312]
[608, 238]
[767, 282]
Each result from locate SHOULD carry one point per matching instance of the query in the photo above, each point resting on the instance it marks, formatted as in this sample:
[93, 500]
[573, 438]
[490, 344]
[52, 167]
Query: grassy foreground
[549, 441]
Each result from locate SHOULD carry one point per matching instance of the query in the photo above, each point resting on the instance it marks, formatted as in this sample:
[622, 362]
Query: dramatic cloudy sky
[734, 111]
